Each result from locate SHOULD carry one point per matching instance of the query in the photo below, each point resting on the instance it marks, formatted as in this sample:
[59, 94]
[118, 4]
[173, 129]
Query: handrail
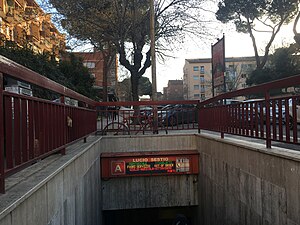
[11, 68]
[274, 118]
[262, 88]
[34, 128]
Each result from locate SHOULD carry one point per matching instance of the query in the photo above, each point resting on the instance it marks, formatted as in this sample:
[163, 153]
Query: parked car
[261, 110]
[292, 117]
[179, 114]
[229, 101]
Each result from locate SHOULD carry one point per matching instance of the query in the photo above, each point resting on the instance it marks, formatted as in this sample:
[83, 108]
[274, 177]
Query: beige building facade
[25, 23]
[197, 76]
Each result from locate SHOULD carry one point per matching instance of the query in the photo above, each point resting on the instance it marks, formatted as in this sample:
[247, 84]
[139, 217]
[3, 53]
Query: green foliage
[258, 15]
[78, 76]
[283, 63]
[71, 74]
[244, 12]
[126, 25]
[145, 86]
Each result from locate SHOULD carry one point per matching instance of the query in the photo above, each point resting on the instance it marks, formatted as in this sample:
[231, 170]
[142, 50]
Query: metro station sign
[149, 163]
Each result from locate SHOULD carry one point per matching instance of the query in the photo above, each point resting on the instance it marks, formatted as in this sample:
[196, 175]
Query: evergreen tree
[70, 73]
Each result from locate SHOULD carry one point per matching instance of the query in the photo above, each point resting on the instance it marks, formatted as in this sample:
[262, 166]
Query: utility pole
[152, 45]
[153, 65]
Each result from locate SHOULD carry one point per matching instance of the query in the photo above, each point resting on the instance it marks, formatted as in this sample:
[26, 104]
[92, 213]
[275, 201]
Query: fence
[32, 128]
[146, 117]
[273, 117]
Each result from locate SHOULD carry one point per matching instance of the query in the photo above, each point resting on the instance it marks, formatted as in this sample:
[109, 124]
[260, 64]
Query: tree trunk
[105, 75]
[135, 96]
[297, 35]
[134, 85]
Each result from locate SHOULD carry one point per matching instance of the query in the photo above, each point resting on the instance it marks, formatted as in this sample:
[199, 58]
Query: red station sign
[149, 163]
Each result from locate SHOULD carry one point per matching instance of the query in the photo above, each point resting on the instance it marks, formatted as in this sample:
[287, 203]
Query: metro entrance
[154, 216]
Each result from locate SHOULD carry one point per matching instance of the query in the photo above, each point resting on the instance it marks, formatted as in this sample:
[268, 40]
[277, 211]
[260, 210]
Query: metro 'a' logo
[117, 167]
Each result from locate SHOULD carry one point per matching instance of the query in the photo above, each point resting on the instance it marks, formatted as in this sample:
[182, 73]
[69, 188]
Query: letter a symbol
[118, 169]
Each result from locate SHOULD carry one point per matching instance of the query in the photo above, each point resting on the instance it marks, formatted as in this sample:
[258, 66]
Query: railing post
[268, 124]
[64, 131]
[155, 120]
[2, 172]
[199, 117]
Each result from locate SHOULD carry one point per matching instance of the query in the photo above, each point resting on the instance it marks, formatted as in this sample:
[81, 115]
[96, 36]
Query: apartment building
[94, 61]
[174, 90]
[25, 23]
[197, 76]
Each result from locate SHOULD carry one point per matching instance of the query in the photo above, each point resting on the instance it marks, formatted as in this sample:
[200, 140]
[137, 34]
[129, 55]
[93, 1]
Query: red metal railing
[32, 128]
[139, 117]
[272, 118]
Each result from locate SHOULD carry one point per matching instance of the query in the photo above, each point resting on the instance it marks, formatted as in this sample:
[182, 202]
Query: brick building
[174, 90]
[94, 61]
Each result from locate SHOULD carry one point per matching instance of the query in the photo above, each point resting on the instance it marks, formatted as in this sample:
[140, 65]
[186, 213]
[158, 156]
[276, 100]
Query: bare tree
[125, 24]
[297, 33]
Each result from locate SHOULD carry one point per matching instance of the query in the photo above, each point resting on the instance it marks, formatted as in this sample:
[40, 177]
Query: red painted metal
[183, 117]
[268, 125]
[265, 119]
[34, 128]
[117, 164]
[2, 157]
[24, 131]
[8, 131]
[22, 73]
[31, 129]
[16, 132]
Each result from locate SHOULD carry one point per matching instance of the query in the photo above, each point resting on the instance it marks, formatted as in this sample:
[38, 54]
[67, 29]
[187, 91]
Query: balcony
[10, 12]
[20, 3]
[30, 13]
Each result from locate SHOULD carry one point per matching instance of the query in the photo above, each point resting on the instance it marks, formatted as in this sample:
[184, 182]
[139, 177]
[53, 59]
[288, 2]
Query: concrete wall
[65, 191]
[239, 183]
[244, 183]
[148, 143]
[149, 192]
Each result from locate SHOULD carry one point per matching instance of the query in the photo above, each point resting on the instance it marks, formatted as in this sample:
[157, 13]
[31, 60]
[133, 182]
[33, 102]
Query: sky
[236, 45]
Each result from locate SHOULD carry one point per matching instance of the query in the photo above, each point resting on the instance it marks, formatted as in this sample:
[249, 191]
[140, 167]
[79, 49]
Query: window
[202, 69]
[247, 67]
[196, 87]
[202, 88]
[197, 96]
[202, 96]
[196, 68]
[196, 77]
[89, 65]
[202, 80]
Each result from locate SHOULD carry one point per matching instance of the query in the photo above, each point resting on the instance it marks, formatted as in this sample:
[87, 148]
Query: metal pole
[2, 159]
[152, 45]
[153, 65]
[268, 124]
[224, 64]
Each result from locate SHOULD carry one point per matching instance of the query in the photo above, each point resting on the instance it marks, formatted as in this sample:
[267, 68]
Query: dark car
[179, 114]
